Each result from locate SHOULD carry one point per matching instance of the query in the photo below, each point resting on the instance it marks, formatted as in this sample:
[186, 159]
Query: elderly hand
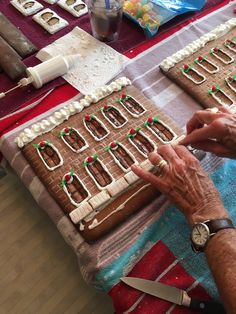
[186, 184]
[214, 132]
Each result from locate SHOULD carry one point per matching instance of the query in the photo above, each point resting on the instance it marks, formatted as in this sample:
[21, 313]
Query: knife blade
[173, 295]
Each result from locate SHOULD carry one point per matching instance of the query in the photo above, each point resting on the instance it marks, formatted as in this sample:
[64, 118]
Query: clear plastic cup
[105, 18]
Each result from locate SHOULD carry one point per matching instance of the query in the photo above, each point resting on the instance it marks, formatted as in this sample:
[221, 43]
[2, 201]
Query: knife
[173, 295]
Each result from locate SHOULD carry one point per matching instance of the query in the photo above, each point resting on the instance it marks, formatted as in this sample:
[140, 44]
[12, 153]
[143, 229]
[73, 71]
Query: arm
[186, 184]
[212, 131]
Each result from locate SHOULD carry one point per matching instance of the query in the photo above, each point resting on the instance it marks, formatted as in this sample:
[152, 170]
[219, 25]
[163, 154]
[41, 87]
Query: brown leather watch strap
[218, 224]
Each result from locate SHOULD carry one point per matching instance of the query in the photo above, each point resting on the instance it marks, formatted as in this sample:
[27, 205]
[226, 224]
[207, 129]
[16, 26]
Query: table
[149, 238]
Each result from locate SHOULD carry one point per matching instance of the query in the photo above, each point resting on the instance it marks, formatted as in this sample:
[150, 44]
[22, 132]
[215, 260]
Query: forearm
[221, 257]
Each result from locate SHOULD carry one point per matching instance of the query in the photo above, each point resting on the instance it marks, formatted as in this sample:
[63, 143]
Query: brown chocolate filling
[132, 105]
[76, 190]
[96, 128]
[114, 116]
[162, 131]
[99, 173]
[75, 140]
[206, 64]
[50, 156]
[123, 157]
[142, 144]
[79, 7]
[194, 75]
[221, 54]
[223, 98]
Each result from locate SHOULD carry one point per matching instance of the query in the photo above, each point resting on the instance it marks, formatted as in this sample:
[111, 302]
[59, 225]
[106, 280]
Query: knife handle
[210, 307]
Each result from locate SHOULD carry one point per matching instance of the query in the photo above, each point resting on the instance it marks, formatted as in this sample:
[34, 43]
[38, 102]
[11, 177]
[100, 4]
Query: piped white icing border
[115, 126]
[230, 85]
[139, 150]
[231, 59]
[58, 117]
[59, 155]
[117, 161]
[219, 100]
[192, 79]
[206, 69]
[74, 150]
[92, 134]
[68, 194]
[130, 112]
[194, 46]
[168, 128]
[95, 181]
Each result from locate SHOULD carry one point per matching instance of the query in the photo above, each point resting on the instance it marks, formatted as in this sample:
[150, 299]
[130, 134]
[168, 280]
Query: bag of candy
[150, 14]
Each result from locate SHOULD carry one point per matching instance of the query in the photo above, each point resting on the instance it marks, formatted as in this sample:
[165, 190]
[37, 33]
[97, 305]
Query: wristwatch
[203, 231]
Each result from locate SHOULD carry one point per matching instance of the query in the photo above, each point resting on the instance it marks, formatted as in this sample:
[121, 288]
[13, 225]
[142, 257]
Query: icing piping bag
[45, 72]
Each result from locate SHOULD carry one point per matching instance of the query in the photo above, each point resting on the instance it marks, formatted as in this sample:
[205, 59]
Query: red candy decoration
[186, 66]
[228, 40]
[132, 131]
[234, 11]
[216, 49]
[87, 118]
[150, 120]
[213, 88]
[113, 144]
[67, 130]
[42, 144]
[200, 58]
[123, 96]
[90, 159]
[230, 79]
[67, 177]
[106, 107]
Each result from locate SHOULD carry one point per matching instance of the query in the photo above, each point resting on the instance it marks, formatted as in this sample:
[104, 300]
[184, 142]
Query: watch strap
[219, 224]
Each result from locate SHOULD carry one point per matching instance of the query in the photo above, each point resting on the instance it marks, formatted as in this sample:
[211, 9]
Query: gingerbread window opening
[114, 116]
[163, 132]
[122, 157]
[222, 98]
[144, 145]
[50, 156]
[132, 106]
[231, 82]
[193, 75]
[207, 65]
[231, 44]
[75, 190]
[222, 55]
[74, 140]
[96, 128]
[99, 174]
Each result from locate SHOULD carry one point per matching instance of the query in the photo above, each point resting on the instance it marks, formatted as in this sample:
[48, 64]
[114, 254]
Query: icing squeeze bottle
[45, 72]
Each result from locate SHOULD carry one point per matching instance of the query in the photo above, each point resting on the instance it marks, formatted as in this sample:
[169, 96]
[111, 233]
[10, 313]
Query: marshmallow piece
[99, 199]
[80, 212]
[117, 187]
[147, 165]
[131, 177]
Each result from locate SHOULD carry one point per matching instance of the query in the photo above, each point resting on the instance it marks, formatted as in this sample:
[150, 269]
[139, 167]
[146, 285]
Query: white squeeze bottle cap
[48, 70]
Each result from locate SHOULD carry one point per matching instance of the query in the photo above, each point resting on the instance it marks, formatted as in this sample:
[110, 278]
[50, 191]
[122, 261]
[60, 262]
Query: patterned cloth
[147, 245]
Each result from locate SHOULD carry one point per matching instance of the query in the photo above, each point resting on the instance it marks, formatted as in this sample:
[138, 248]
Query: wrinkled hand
[212, 132]
[186, 184]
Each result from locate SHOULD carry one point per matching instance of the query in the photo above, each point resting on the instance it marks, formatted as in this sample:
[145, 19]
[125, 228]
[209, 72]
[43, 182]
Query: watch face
[200, 234]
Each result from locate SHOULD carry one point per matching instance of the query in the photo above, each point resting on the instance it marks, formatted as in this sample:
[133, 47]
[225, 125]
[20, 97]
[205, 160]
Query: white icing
[117, 187]
[74, 107]
[80, 212]
[71, 8]
[131, 177]
[147, 165]
[95, 181]
[59, 155]
[99, 199]
[192, 79]
[201, 64]
[168, 128]
[96, 223]
[187, 51]
[214, 95]
[115, 126]
[150, 141]
[230, 85]
[130, 112]
[74, 150]
[102, 125]
[231, 59]
[68, 194]
[118, 162]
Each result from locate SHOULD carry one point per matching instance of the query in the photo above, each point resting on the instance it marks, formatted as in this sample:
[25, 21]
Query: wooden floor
[38, 271]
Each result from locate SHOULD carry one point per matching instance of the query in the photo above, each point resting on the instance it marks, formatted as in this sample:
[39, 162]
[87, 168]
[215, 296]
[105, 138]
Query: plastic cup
[105, 18]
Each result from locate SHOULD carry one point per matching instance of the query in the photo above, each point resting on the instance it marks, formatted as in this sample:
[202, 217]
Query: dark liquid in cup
[105, 24]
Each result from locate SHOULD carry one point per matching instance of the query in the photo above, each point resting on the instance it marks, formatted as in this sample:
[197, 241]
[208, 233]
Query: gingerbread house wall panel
[73, 161]
[201, 92]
